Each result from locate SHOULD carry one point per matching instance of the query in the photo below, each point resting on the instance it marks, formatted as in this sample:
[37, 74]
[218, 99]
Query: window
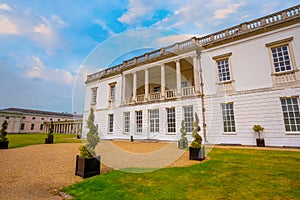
[6, 117]
[291, 116]
[184, 84]
[156, 89]
[110, 123]
[171, 120]
[42, 118]
[94, 96]
[281, 58]
[139, 121]
[23, 117]
[22, 126]
[154, 121]
[41, 127]
[228, 117]
[33, 118]
[32, 127]
[188, 118]
[223, 70]
[112, 91]
[126, 122]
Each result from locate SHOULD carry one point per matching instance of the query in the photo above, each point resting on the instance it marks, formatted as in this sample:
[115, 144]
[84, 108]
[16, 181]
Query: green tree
[197, 142]
[3, 131]
[92, 137]
[183, 131]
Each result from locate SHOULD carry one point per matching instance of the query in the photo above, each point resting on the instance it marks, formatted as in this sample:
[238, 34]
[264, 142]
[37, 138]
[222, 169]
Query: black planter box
[49, 139]
[183, 144]
[260, 142]
[197, 153]
[78, 136]
[4, 145]
[87, 167]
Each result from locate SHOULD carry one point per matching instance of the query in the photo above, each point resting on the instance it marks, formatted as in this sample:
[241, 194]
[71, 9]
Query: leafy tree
[183, 131]
[197, 142]
[3, 131]
[88, 150]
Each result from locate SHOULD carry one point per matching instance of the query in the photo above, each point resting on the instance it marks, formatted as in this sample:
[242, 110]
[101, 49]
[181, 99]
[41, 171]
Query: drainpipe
[202, 98]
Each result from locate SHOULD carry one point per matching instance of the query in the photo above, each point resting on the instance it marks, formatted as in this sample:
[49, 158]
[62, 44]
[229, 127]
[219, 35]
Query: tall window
[41, 127]
[110, 123]
[291, 116]
[171, 120]
[139, 121]
[22, 126]
[154, 120]
[228, 117]
[188, 118]
[32, 127]
[126, 122]
[223, 70]
[112, 92]
[94, 96]
[281, 58]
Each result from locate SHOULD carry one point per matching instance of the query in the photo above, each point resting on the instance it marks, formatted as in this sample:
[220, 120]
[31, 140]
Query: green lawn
[229, 174]
[21, 140]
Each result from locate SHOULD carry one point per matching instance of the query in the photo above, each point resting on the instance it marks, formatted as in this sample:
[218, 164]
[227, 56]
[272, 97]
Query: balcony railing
[188, 91]
[170, 94]
[140, 98]
[155, 96]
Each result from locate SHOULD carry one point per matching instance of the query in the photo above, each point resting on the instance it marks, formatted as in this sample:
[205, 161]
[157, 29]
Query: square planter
[49, 139]
[260, 142]
[4, 145]
[183, 144]
[87, 167]
[197, 153]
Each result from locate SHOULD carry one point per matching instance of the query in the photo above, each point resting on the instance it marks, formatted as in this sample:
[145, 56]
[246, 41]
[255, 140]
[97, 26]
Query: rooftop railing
[244, 28]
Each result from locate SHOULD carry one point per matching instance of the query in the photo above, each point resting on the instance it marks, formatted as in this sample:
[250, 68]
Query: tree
[183, 131]
[88, 150]
[197, 142]
[3, 131]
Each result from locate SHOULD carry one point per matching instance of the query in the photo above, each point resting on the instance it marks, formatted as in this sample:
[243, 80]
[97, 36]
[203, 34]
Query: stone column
[178, 78]
[134, 87]
[163, 81]
[196, 74]
[146, 84]
[123, 89]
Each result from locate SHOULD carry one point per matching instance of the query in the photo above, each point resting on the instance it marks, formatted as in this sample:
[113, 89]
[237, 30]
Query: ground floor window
[228, 117]
[139, 121]
[41, 127]
[22, 126]
[188, 118]
[110, 123]
[154, 121]
[291, 116]
[171, 122]
[126, 122]
[32, 127]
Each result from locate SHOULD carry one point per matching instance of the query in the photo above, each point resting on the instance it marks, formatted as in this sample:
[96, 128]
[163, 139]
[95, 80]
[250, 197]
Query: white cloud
[225, 12]
[104, 26]
[44, 30]
[7, 27]
[38, 70]
[5, 7]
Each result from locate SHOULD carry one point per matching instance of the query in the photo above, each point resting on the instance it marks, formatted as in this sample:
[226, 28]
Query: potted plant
[50, 136]
[87, 163]
[196, 150]
[79, 134]
[3, 139]
[258, 129]
[183, 142]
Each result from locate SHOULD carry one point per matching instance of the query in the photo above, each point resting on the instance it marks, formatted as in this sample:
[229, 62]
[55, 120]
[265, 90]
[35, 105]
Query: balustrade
[188, 91]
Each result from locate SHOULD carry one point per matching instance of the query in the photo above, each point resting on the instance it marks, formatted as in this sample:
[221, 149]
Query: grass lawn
[21, 140]
[229, 174]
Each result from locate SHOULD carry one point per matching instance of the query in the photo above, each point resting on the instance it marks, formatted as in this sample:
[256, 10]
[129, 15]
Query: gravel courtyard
[38, 171]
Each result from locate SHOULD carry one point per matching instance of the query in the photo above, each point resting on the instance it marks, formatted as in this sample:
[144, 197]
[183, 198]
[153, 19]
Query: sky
[47, 47]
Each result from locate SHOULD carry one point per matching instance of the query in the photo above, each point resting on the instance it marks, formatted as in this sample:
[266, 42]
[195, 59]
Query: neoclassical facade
[233, 79]
[22, 120]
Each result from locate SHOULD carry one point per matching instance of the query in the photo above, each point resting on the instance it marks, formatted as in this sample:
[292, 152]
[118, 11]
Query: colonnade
[67, 127]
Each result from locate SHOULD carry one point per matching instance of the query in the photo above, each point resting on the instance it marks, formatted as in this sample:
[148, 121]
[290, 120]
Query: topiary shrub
[183, 131]
[3, 132]
[51, 129]
[258, 129]
[88, 150]
[197, 142]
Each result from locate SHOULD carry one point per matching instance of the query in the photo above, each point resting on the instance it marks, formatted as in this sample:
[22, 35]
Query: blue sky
[45, 44]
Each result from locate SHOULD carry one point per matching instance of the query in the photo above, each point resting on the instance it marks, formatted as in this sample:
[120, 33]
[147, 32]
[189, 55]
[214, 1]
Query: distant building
[36, 121]
[246, 74]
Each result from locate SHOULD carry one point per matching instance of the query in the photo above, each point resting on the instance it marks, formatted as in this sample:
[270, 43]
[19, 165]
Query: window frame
[126, 122]
[296, 115]
[154, 120]
[188, 123]
[219, 58]
[94, 95]
[171, 122]
[139, 121]
[227, 120]
[112, 91]
[110, 123]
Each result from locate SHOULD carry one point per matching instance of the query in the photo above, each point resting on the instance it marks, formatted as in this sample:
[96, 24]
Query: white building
[250, 75]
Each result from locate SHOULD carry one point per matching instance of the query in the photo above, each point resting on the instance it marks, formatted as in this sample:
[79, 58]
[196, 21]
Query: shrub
[88, 150]
[197, 142]
[258, 129]
[51, 129]
[183, 131]
[3, 131]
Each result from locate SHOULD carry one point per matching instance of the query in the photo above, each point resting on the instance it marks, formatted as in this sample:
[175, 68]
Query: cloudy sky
[45, 43]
